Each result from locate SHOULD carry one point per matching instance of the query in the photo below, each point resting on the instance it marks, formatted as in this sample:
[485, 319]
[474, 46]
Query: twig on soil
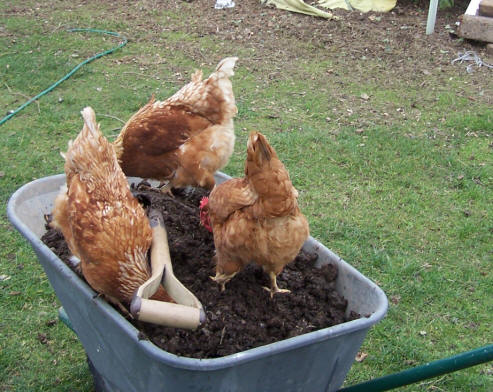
[200, 52]
[22, 95]
[138, 74]
[222, 335]
[56, 28]
[7, 53]
[471, 55]
[148, 76]
[110, 116]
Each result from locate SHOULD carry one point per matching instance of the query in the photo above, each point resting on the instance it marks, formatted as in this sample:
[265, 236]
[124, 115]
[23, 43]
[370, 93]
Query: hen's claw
[274, 289]
[48, 218]
[166, 188]
[222, 279]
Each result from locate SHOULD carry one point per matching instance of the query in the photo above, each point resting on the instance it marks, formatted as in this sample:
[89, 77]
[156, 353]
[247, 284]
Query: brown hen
[103, 224]
[185, 138]
[256, 218]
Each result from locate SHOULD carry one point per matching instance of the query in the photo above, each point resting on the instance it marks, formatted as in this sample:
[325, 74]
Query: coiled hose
[74, 70]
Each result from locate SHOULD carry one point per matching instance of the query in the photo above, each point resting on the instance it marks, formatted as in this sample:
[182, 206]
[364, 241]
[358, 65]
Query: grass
[398, 184]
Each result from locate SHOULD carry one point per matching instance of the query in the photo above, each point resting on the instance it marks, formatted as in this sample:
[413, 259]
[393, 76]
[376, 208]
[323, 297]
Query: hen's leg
[115, 302]
[74, 262]
[274, 288]
[166, 188]
[223, 278]
[225, 270]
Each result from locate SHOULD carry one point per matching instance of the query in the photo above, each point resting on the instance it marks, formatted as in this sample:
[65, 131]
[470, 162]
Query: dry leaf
[51, 323]
[361, 356]
[43, 339]
[14, 293]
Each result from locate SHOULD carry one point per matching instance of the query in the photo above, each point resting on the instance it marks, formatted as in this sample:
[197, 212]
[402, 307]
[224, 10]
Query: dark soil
[243, 316]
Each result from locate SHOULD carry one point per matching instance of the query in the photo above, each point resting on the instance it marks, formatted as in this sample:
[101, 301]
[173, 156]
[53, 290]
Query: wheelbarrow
[315, 361]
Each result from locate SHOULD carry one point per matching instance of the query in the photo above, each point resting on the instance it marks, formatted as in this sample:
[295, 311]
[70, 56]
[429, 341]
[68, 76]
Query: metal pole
[423, 372]
[432, 16]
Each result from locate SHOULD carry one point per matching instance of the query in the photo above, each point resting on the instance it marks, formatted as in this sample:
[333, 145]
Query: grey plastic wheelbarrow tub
[316, 361]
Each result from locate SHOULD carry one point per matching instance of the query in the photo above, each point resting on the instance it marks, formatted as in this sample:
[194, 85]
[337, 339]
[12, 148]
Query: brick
[486, 8]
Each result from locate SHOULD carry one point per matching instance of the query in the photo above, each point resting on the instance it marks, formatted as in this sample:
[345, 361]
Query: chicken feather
[256, 218]
[186, 138]
[103, 224]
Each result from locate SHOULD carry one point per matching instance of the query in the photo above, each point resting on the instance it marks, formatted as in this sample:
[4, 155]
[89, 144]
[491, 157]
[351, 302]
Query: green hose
[423, 372]
[54, 85]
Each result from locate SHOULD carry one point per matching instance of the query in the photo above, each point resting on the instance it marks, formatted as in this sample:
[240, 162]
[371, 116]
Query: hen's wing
[158, 128]
[112, 240]
[163, 126]
[229, 197]
[148, 142]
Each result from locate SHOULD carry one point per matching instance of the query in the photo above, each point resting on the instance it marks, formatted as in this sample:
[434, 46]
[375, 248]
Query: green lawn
[394, 173]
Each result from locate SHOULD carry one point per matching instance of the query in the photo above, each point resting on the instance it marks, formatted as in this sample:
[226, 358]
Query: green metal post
[423, 372]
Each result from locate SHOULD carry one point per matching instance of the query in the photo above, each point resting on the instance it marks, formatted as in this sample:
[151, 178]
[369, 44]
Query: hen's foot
[48, 219]
[222, 279]
[274, 289]
[144, 185]
[74, 262]
[166, 188]
[115, 302]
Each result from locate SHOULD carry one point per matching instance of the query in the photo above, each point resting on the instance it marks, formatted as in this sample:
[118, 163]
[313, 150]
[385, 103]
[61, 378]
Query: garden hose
[75, 69]
[431, 369]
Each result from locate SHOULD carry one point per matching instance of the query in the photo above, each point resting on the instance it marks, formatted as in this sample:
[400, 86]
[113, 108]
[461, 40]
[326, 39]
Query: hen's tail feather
[227, 65]
[90, 120]
[264, 147]
[91, 155]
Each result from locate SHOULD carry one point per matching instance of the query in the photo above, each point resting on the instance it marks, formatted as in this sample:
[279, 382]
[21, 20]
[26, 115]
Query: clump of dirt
[243, 316]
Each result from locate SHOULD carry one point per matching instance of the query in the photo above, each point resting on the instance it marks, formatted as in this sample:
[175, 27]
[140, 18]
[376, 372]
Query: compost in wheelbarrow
[243, 316]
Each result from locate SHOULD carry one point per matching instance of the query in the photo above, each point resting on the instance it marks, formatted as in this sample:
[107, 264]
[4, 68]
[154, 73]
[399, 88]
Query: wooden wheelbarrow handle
[187, 312]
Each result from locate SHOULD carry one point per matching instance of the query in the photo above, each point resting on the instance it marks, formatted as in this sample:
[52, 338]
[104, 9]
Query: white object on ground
[220, 4]
[471, 55]
[299, 6]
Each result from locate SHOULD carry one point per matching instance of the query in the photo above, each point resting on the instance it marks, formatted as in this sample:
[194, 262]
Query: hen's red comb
[203, 202]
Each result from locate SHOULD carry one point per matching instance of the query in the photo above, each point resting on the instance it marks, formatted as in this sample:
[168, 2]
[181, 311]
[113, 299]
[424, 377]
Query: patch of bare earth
[384, 50]
[397, 38]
